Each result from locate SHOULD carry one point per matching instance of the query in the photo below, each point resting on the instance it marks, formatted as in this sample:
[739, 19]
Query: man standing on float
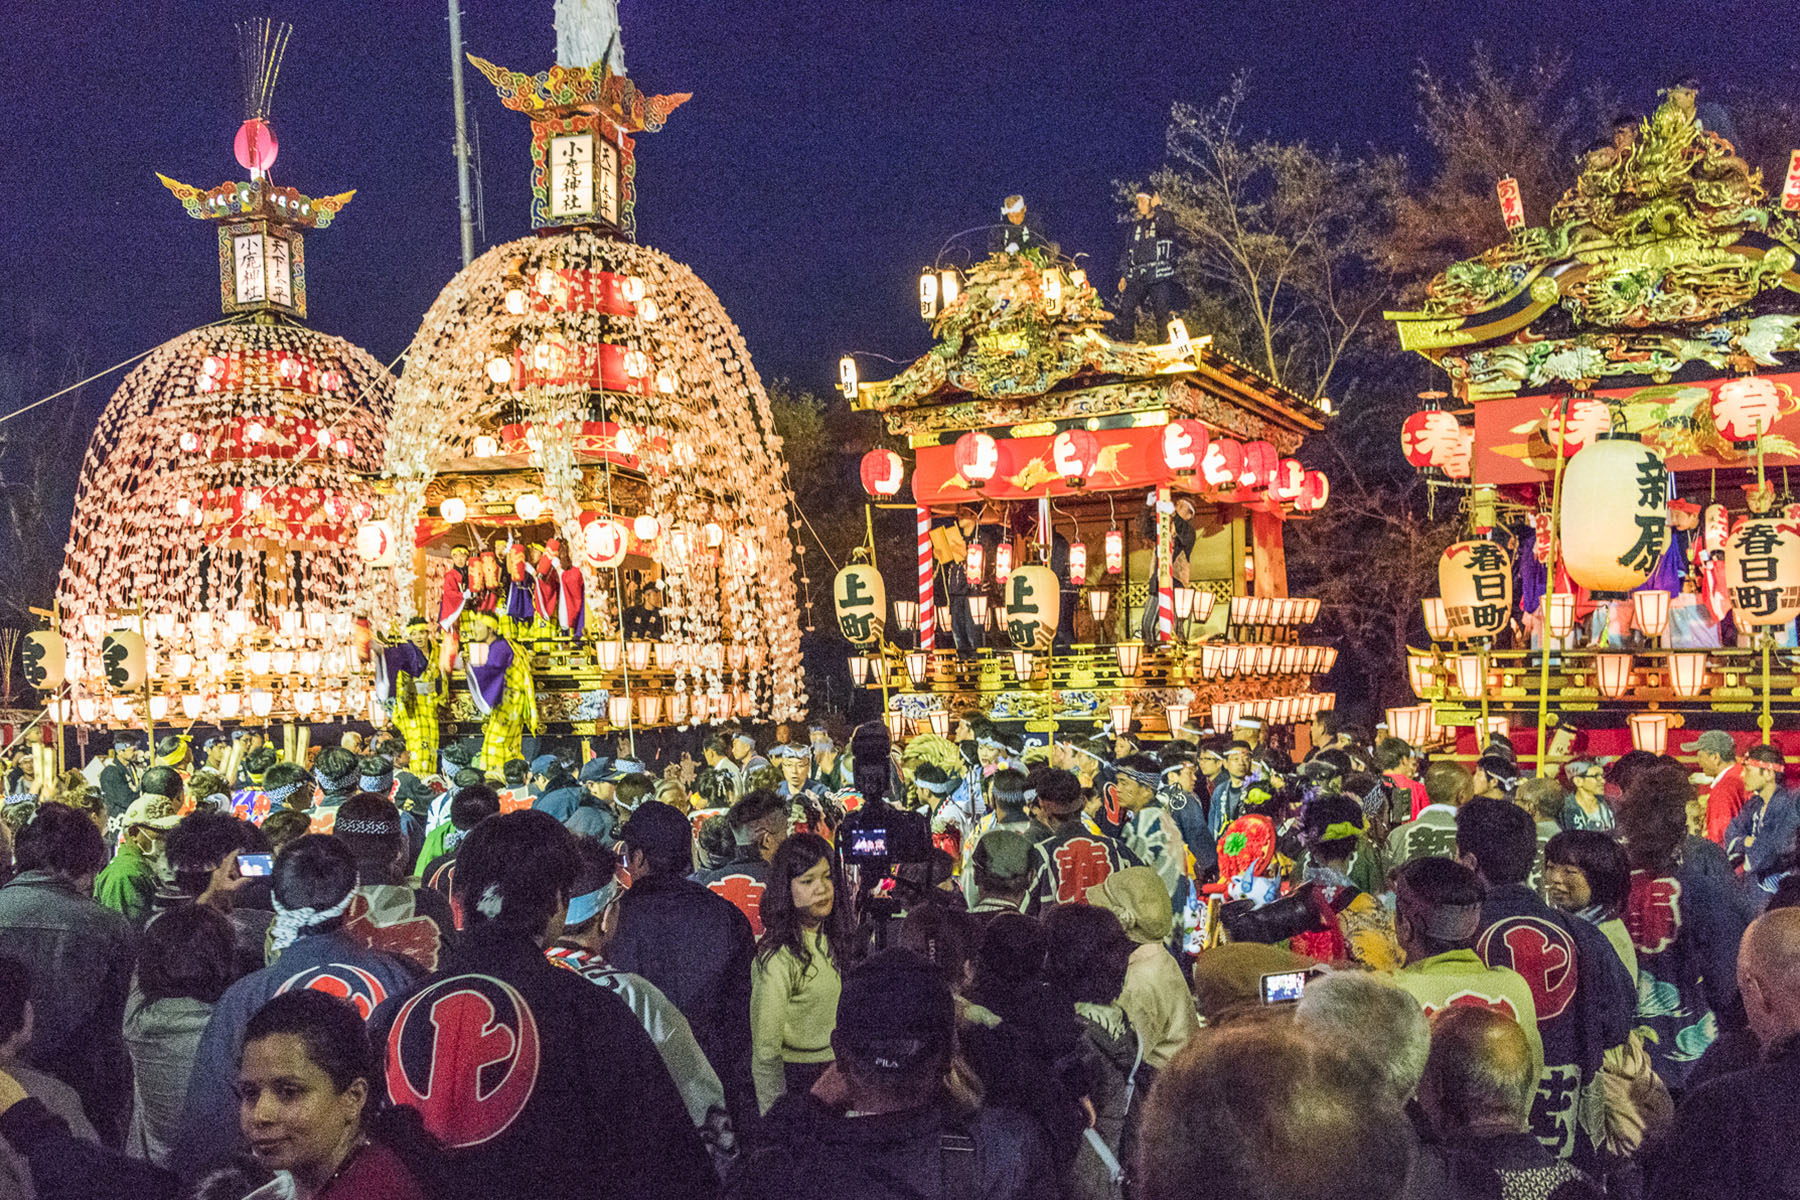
[501, 687]
[410, 687]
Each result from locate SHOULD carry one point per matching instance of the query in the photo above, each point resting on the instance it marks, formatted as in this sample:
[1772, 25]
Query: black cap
[659, 830]
[895, 1009]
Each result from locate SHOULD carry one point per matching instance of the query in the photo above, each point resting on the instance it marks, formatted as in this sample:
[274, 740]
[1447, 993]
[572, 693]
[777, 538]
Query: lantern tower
[576, 392]
[219, 499]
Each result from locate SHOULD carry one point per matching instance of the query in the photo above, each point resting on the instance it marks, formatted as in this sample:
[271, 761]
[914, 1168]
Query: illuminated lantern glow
[1471, 675]
[918, 667]
[529, 506]
[978, 610]
[949, 286]
[1290, 481]
[1115, 552]
[977, 457]
[1745, 409]
[1129, 654]
[1315, 489]
[1614, 517]
[1562, 614]
[1261, 464]
[1430, 438]
[906, 615]
[375, 543]
[1762, 571]
[1183, 445]
[1053, 294]
[1650, 606]
[928, 294]
[1476, 581]
[847, 377]
[604, 542]
[1649, 731]
[46, 660]
[1098, 603]
[1074, 453]
[975, 566]
[190, 441]
[1458, 464]
[1033, 606]
[882, 472]
[255, 147]
[1222, 463]
[453, 510]
[1003, 563]
[123, 660]
[1587, 420]
[1612, 674]
[1687, 672]
[859, 600]
[1078, 563]
[486, 445]
[646, 528]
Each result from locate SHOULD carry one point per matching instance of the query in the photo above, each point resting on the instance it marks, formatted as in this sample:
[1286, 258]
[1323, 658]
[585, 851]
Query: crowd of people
[970, 966]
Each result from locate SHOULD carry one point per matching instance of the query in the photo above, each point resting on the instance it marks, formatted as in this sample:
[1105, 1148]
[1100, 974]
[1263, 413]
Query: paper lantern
[1290, 481]
[122, 658]
[1651, 608]
[1419, 674]
[255, 147]
[949, 286]
[1687, 672]
[1475, 579]
[46, 660]
[1078, 564]
[975, 565]
[1471, 675]
[928, 294]
[1184, 444]
[1437, 620]
[1033, 607]
[529, 506]
[1129, 655]
[453, 510]
[1261, 462]
[918, 667]
[375, 543]
[1408, 723]
[1746, 409]
[1586, 419]
[646, 528]
[1099, 601]
[882, 472]
[1612, 674]
[939, 720]
[1115, 552]
[1562, 613]
[859, 669]
[1003, 563]
[1121, 718]
[1430, 439]
[1074, 454]
[637, 655]
[906, 615]
[1762, 571]
[859, 598]
[604, 542]
[1222, 463]
[1649, 731]
[977, 457]
[1024, 664]
[1177, 715]
[978, 610]
[1315, 489]
[1614, 515]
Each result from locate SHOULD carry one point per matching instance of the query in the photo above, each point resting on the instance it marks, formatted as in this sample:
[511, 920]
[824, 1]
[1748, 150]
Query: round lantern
[646, 528]
[255, 146]
[122, 658]
[1475, 579]
[46, 659]
[1290, 481]
[1261, 463]
[1462, 456]
[1575, 423]
[1222, 463]
[882, 472]
[375, 543]
[859, 599]
[1183, 445]
[1033, 607]
[1614, 517]
[1315, 489]
[1430, 438]
[1762, 571]
[1746, 409]
[604, 542]
[1074, 453]
[977, 457]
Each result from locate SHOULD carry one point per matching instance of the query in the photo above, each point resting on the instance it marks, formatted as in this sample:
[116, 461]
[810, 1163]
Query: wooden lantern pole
[1544, 766]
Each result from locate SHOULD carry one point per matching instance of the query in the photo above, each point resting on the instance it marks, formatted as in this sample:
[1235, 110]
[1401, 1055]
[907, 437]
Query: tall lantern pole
[1544, 766]
[1765, 634]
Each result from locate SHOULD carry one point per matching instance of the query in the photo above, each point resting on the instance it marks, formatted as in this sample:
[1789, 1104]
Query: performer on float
[500, 684]
[518, 590]
[458, 590]
[1147, 268]
[410, 686]
[1018, 233]
[561, 592]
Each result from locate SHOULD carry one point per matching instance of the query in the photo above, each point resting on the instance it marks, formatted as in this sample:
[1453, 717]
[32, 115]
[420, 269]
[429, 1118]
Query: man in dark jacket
[119, 777]
[535, 1081]
[759, 822]
[553, 791]
[80, 956]
[693, 945]
[908, 1138]
[314, 885]
[1018, 233]
[1147, 268]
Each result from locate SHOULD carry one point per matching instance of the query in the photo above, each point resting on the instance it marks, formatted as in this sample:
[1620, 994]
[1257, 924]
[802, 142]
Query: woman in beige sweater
[795, 980]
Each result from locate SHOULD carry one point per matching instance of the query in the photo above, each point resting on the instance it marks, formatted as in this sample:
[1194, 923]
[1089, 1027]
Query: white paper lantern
[1614, 514]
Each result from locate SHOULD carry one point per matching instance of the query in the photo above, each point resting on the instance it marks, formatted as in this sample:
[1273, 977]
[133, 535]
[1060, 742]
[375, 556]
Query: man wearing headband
[1230, 788]
[119, 777]
[592, 921]
[314, 883]
[1436, 915]
[336, 771]
[829, 769]
[1018, 233]
[502, 690]
[1147, 268]
[1075, 857]
[1149, 831]
[743, 753]
[796, 764]
[410, 687]
[412, 922]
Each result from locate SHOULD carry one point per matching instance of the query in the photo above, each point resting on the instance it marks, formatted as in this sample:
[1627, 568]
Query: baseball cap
[157, 812]
[595, 770]
[1717, 741]
[546, 764]
[895, 1009]
[659, 830]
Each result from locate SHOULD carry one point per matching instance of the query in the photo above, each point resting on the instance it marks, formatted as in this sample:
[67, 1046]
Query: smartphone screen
[1283, 987]
[255, 864]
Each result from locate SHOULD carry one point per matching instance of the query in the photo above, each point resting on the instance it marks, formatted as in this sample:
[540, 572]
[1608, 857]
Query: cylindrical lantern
[1261, 464]
[1078, 564]
[1033, 607]
[1129, 654]
[1687, 672]
[860, 601]
[1651, 608]
[1614, 517]
[604, 542]
[1762, 571]
[1612, 674]
[1471, 675]
[1315, 489]
[847, 377]
[882, 472]
[1183, 445]
[975, 565]
[1115, 552]
[1745, 409]
[122, 658]
[1222, 463]
[1003, 563]
[977, 457]
[1562, 613]
[46, 660]
[928, 293]
[1074, 454]
[1437, 620]
[1649, 731]
[1476, 581]
[1099, 601]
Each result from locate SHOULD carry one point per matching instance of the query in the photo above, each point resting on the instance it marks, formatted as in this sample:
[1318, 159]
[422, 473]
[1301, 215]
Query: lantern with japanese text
[859, 599]
[1762, 571]
[1476, 582]
[977, 457]
[1183, 445]
[123, 661]
[46, 660]
[1222, 463]
[1430, 438]
[1575, 423]
[882, 472]
[1290, 481]
[1074, 454]
[1315, 489]
[1033, 607]
[1261, 465]
[1614, 517]
[1746, 409]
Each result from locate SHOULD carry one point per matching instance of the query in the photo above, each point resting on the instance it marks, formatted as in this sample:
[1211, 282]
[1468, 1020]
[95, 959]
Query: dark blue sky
[828, 150]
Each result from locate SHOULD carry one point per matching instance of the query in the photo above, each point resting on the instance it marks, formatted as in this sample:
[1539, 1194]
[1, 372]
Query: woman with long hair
[796, 978]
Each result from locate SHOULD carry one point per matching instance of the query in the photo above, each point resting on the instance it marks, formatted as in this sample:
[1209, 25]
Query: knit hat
[1228, 978]
[1138, 898]
[659, 830]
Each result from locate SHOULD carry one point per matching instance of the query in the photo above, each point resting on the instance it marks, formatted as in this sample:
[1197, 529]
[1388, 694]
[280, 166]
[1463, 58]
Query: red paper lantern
[1290, 481]
[882, 472]
[255, 146]
[1261, 463]
[977, 457]
[1115, 551]
[1430, 438]
[1078, 564]
[1222, 463]
[1745, 409]
[1587, 419]
[1314, 491]
[1074, 453]
[1183, 445]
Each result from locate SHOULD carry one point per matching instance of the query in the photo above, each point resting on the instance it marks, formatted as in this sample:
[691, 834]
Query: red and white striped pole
[1165, 579]
[927, 604]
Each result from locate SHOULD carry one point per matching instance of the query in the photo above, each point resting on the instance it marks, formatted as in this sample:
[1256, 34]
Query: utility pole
[464, 204]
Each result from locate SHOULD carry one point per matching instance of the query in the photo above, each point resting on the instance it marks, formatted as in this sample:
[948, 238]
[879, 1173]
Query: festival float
[1063, 483]
[1622, 411]
[211, 572]
[579, 425]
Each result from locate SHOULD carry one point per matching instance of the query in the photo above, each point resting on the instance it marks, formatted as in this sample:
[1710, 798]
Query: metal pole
[464, 204]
